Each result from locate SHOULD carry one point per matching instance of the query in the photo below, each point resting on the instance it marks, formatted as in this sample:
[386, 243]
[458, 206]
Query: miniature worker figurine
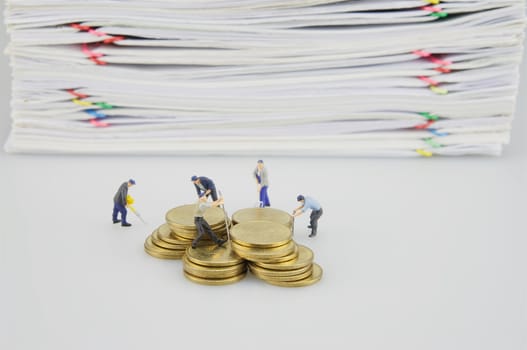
[204, 185]
[120, 203]
[262, 183]
[202, 225]
[316, 212]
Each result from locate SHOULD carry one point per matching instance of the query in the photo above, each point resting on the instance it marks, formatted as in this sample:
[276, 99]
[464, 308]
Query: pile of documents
[267, 77]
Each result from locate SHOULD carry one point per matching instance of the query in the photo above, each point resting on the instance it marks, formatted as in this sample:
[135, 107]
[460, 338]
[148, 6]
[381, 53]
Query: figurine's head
[131, 182]
[195, 179]
[300, 198]
[260, 164]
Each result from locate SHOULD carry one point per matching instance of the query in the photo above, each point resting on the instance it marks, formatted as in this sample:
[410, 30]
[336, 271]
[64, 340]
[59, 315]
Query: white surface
[417, 254]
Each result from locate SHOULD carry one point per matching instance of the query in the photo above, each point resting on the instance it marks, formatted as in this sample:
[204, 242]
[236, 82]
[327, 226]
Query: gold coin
[192, 230]
[157, 240]
[192, 234]
[279, 273]
[260, 234]
[284, 258]
[214, 255]
[213, 272]
[263, 214]
[183, 216]
[164, 233]
[304, 258]
[264, 254]
[315, 276]
[214, 281]
[285, 278]
[176, 236]
[161, 253]
[205, 243]
[164, 230]
[164, 245]
[164, 256]
[149, 244]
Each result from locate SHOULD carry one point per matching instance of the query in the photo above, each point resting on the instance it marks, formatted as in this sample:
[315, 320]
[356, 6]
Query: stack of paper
[284, 77]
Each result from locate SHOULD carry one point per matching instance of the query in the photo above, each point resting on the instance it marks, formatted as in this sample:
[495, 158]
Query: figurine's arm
[209, 187]
[265, 180]
[298, 211]
[218, 202]
[124, 193]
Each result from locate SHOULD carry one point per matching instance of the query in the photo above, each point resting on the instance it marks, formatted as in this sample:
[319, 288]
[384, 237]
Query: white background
[417, 254]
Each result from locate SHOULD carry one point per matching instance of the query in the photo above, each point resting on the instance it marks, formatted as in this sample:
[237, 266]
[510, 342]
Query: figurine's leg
[198, 221]
[209, 231]
[264, 197]
[315, 215]
[260, 198]
[123, 216]
[114, 213]
[212, 235]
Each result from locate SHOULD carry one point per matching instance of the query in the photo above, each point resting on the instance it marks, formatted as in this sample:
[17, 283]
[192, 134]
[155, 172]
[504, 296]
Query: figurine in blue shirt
[204, 185]
[316, 212]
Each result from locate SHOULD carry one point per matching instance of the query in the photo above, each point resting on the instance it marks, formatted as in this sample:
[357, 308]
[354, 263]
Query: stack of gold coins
[263, 214]
[181, 222]
[263, 241]
[170, 240]
[161, 244]
[298, 272]
[213, 265]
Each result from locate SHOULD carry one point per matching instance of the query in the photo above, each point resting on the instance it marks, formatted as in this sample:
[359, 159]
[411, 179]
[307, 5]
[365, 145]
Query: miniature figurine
[120, 203]
[316, 212]
[262, 183]
[204, 185]
[202, 225]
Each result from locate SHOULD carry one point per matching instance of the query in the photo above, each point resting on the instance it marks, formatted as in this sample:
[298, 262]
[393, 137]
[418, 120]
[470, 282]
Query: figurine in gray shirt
[120, 204]
[202, 225]
[262, 183]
